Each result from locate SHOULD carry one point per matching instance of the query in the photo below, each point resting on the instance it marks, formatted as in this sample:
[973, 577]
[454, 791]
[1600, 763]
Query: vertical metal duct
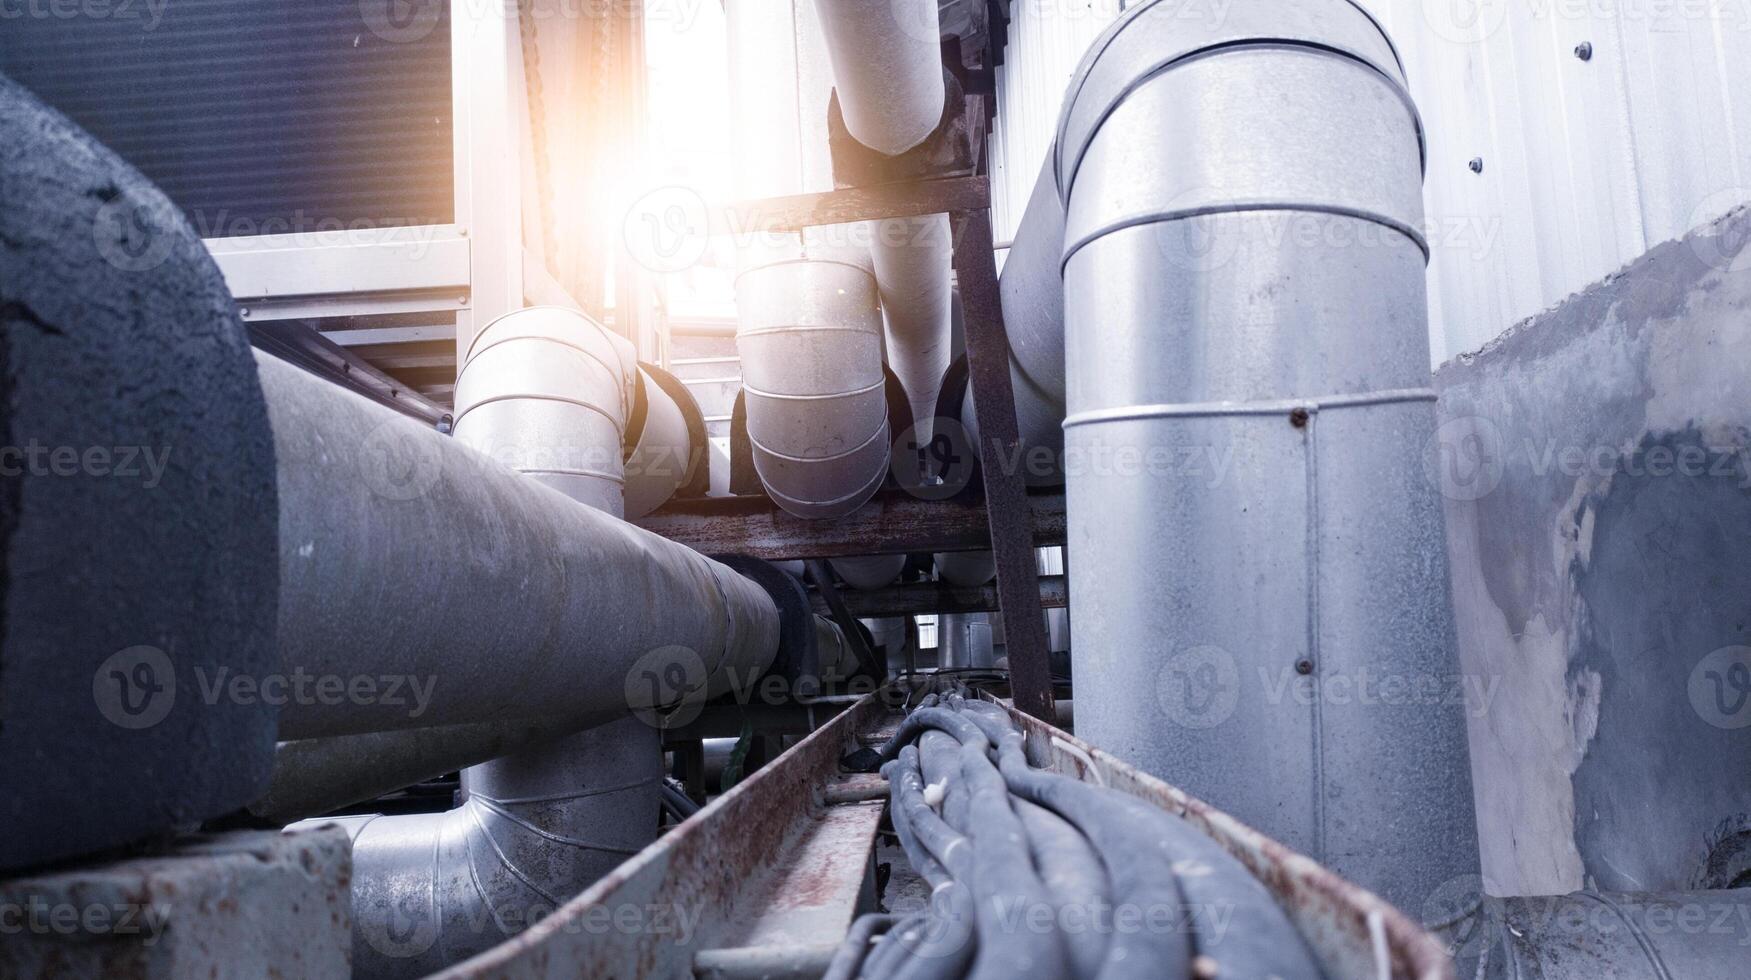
[1243, 272]
[887, 70]
[810, 330]
[810, 338]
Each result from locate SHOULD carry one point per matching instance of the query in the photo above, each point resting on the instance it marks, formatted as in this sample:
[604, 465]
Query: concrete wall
[1596, 461]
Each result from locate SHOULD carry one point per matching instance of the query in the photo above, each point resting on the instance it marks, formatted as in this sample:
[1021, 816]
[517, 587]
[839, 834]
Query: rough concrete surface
[244, 904]
[1597, 476]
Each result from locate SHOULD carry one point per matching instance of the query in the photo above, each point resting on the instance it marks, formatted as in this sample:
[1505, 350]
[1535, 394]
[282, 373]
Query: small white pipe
[887, 62]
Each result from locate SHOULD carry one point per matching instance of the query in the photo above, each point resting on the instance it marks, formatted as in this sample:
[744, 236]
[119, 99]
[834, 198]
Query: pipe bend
[1266, 118]
[1153, 35]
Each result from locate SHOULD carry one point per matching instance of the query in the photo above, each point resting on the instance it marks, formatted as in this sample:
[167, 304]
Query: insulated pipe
[809, 329]
[912, 258]
[546, 392]
[887, 66]
[529, 604]
[887, 70]
[964, 640]
[538, 826]
[1243, 271]
[1031, 287]
[868, 571]
[662, 456]
[313, 776]
[966, 569]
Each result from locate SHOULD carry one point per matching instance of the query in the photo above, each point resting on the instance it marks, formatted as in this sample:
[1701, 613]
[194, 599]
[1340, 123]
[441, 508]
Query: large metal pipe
[528, 602]
[547, 390]
[314, 776]
[1243, 272]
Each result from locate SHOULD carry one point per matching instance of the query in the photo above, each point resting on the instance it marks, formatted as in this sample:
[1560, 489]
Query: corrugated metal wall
[1586, 164]
[256, 116]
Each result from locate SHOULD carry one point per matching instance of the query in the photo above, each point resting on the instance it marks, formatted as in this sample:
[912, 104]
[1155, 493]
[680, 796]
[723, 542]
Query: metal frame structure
[473, 268]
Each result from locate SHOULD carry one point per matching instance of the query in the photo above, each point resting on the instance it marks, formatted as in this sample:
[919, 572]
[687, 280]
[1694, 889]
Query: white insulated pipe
[887, 70]
[809, 326]
[887, 64]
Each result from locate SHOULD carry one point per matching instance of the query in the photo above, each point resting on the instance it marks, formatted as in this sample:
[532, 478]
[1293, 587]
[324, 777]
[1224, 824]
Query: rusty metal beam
[936, 597]
[771, 862]
[1006, 508]
[893, 523]
[899, 200]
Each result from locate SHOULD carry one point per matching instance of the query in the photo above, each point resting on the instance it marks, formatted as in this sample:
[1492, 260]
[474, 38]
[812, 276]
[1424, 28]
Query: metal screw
[1476, 165]
[1298, 418]
[1584, 51]
[243, 312]
[1304, 667]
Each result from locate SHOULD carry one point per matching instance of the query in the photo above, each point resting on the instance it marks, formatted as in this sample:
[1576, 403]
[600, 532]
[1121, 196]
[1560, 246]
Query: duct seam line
[1415, 235]
[562, 399]
[829, 396]
[880, 432]
[1312, 406]
[505, 862]
[863, 491]
[597, 474]
[804, 260]
[806, 328]
[561, 797]
[499, 807]
[614, 370]
[1217, 49]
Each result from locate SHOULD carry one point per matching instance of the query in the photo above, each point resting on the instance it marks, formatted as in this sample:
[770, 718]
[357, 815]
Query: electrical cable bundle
[1036, 874]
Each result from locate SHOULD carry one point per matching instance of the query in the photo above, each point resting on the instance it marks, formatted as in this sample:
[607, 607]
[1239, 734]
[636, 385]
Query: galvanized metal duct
[810, 341]
[664, 451]
[809, 328]
[546, 391]
[888, 72]
[1243, 275]
[432, 889]
[527, 601]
